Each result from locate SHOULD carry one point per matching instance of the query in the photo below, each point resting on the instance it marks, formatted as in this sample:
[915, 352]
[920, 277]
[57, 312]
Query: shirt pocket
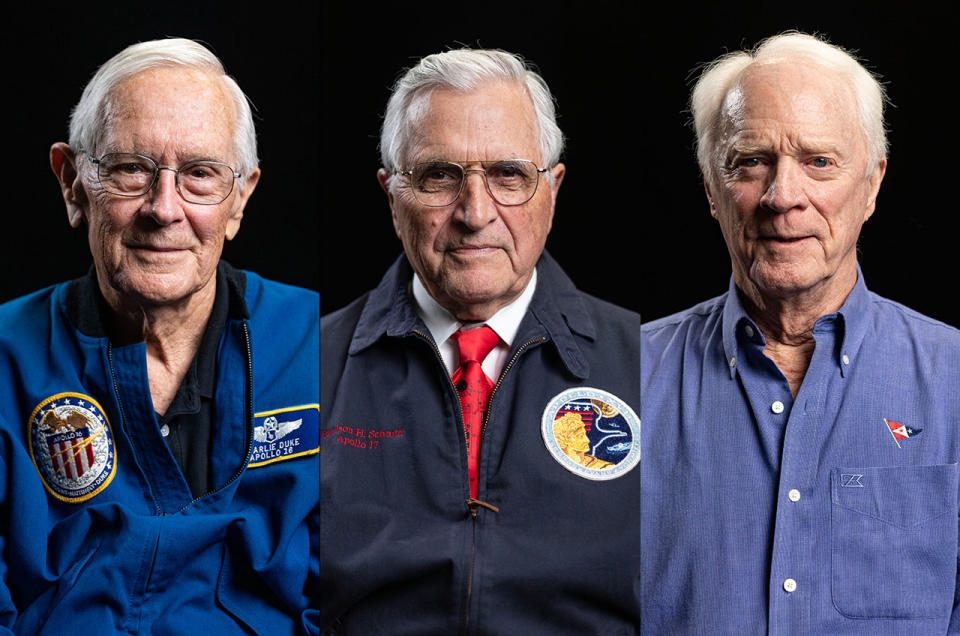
[894, 541]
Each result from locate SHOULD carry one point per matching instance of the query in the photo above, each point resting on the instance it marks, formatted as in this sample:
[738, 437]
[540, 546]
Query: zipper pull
[476, 503]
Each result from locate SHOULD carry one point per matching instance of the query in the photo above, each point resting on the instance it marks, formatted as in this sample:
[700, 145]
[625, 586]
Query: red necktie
[474, 388]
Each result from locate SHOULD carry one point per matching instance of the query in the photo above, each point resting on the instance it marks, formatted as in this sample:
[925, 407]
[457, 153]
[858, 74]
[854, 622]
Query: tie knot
[475, 344]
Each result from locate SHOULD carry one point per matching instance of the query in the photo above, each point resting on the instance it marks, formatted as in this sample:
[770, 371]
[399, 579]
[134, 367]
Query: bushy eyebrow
[806, 150]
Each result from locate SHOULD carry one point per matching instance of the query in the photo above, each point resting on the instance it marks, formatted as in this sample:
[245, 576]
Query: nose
[475, 207]
[163, 201]
[785, 190]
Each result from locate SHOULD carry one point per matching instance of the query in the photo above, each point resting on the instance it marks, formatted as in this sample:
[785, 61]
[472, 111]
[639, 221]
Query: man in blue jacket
[479, 436]
[159, 439]
[800, 475]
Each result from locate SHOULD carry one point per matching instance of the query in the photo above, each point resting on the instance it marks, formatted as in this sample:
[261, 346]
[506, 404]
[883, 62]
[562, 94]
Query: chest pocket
[894, 541]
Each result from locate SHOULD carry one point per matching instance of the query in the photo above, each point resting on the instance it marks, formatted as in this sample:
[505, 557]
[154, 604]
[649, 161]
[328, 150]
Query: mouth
[473, 250]
[784, 240]
[157, 249]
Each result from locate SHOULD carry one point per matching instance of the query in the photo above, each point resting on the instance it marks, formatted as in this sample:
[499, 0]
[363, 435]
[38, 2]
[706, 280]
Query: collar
[851, 321]
[556, 310]
[442, 324]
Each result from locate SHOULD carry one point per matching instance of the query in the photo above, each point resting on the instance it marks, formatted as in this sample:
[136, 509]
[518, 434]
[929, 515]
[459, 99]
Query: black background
[51, 56]
[632, 223]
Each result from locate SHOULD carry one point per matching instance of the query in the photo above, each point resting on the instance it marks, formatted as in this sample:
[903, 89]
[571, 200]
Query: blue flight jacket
[552, 546]
[98, 529]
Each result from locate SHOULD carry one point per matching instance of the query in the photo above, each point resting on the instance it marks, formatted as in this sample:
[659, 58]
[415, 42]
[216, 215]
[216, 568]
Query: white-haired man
[158, 447]
[448, 502]
[800, 470]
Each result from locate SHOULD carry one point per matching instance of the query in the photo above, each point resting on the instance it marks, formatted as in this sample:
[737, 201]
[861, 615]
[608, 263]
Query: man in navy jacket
[524, 520]
[160, 430]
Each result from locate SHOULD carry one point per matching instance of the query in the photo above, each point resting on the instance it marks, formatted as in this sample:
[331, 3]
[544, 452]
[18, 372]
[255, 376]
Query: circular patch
[592, 433]
[71, 444]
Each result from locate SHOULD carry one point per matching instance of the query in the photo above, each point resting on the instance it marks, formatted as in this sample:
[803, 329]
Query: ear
[706, 188]
[236, 214]
[383, 177]
[873, 182]
[558, 172]
[63, 162]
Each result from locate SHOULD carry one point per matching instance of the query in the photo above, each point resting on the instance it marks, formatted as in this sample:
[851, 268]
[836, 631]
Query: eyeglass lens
[128, 174]
[439, 183]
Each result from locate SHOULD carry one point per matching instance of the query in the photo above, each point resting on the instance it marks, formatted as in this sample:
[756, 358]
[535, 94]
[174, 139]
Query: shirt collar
[852, 323]
[442, 324]
[557, 308]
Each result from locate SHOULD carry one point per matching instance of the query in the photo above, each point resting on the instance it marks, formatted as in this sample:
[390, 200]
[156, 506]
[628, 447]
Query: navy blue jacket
[99, 532]
[545, 550]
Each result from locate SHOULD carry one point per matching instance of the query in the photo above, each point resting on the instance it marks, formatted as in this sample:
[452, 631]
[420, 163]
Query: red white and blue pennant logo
[900, 431]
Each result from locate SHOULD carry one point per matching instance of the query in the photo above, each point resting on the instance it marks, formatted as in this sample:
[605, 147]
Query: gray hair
[91, 116]
[719, 77]
[464, 70]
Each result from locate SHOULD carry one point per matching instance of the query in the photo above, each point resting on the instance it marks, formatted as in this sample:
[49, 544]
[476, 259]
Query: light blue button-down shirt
[832, 513]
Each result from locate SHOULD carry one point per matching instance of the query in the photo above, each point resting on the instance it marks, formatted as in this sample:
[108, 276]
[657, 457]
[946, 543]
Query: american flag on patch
[585, 411]
[70, 452]
[901, 431]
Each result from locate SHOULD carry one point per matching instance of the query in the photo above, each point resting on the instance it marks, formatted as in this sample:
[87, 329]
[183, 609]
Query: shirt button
[777, 407]
[164, 430]
[794, 495]
[733, 362]
[749, 331]
[846, 360]
[789, 585]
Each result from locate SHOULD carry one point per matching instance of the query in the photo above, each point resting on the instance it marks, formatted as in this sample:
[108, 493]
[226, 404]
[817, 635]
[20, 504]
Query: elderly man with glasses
[159, 439]
[803, 473]
[450, 500]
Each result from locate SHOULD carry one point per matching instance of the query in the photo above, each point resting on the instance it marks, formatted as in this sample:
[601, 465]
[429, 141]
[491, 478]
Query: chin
[155, 289]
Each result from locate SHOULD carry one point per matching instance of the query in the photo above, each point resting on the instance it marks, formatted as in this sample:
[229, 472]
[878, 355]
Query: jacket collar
[556, 312]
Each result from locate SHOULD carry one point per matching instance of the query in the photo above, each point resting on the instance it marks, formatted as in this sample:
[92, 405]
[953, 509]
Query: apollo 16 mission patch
[72, 446]
[592, 433]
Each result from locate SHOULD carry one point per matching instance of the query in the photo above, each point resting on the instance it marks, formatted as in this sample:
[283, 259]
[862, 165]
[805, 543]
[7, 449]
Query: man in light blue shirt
[800, 433]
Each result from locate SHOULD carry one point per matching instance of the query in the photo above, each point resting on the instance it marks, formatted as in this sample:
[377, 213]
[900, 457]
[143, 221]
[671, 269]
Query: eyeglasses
[509, 182]
[127, 174]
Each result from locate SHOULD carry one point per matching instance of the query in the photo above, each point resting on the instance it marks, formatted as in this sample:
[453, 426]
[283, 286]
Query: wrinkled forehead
[792, 92]
[190, 105]
[496, 119]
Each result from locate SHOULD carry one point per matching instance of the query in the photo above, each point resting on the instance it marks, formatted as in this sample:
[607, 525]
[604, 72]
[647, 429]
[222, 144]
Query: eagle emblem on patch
[72, 446]
[592, 433]
[285, 433]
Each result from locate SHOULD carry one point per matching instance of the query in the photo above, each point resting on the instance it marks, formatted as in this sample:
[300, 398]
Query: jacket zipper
[248, 421]
[474, 503]
[123, 418]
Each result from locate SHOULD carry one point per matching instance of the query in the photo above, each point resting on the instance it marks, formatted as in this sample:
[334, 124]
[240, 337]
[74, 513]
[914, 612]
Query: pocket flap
[904, 496]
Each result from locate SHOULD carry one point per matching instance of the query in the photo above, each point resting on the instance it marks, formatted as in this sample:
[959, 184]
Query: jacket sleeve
[311, 615]
[8, 612]
[955, 617]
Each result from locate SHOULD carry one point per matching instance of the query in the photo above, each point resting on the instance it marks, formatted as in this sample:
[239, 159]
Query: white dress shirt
[442, 324]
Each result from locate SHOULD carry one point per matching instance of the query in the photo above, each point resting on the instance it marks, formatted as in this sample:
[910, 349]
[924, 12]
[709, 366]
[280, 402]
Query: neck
[172, 333]
[787, 321]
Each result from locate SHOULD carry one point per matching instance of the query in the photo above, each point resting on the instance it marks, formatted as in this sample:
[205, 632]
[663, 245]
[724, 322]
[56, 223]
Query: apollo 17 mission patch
[72, 446]
[284, 434]
[592, 433]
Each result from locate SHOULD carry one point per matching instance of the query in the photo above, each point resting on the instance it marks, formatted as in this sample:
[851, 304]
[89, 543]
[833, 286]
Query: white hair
[90, 118]
[721, 76]
[464, 70]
